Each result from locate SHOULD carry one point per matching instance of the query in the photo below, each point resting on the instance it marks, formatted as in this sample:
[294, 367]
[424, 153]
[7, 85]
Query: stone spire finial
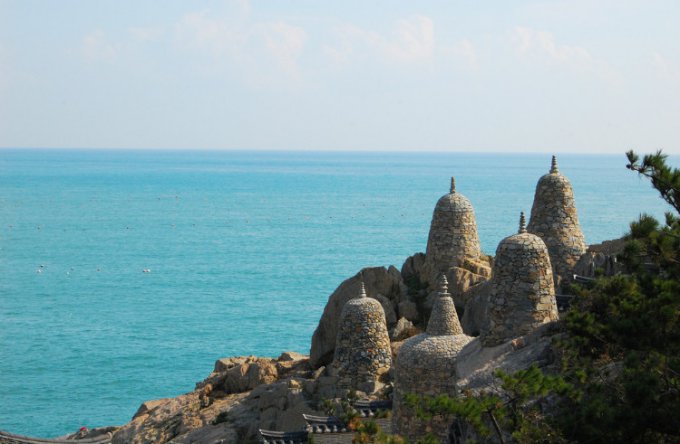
[362, 291]
[553, 166]
[453, 185]
[444, 319]
[522, 223]
[443, 289]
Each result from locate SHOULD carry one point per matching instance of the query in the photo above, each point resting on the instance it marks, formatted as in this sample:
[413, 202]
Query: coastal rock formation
[522, 293]
[426, 365]
[362, 349]
[453, 234]
[379, 281]
[555, 220]
[230, 405]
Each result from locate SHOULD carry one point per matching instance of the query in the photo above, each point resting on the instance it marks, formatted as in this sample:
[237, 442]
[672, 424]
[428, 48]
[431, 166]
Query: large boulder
[474, 315]
[243, 373]
[383, 284]
[421, 280]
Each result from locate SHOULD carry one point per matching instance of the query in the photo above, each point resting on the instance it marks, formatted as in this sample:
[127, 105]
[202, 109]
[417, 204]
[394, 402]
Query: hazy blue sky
[581, 76]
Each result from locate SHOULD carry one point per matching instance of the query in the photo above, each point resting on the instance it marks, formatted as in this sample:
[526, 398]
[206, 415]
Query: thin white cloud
[531, 41]
[285, 43]
[415, 39]
[410, 40]
[249, 45]
[96, 47]
[215, 35]
[537, 46]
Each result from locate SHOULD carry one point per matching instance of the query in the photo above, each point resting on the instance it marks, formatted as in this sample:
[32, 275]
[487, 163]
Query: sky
[580, 76]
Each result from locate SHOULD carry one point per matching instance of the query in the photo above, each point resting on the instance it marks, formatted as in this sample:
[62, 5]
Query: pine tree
[623, 350]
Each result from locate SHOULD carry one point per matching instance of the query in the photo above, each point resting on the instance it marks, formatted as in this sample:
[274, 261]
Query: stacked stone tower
[554, 219]
[453, 232]
[362, 348]
[426, 366]
[522, 294]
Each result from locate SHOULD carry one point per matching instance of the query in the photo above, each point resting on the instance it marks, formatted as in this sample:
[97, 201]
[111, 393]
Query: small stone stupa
[453, 232]
[554, 219]
[426, 365]
[362, 348]
[522, 294]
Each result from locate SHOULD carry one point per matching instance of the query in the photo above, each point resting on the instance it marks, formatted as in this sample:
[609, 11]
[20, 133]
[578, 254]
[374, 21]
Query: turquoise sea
[243, 251]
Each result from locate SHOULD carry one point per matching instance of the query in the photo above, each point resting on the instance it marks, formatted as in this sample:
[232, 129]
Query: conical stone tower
[522, 294]
[453, 232]
[362, 348]
[426, 366]
[554, 219]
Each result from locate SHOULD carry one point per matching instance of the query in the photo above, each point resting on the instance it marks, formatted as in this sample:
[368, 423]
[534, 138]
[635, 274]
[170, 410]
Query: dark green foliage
[370, 432]
[516, 412]
[622, 357]
[665, 180]
[622, 351]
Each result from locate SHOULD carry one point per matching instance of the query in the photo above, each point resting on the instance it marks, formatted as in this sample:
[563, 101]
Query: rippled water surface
[241, 250]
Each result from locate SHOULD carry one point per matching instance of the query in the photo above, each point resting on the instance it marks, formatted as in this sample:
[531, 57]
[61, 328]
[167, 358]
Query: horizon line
[317, 151]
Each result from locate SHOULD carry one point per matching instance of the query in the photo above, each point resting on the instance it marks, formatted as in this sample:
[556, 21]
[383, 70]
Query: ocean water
[243, 251]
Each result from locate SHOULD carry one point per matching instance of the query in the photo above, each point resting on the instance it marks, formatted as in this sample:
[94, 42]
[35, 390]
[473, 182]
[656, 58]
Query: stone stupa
[522, 293]
[555, 220]
[426, 366]
[362, 348]
[453, 237]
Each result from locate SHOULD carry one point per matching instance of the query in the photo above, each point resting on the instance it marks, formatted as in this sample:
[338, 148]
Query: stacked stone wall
[453, 237]
[522, 294]
[362, 350]
[444, 318]
[426, 367]
[554, 218]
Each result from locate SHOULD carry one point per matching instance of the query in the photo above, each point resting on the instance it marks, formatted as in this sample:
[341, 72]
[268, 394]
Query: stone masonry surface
[555, 220]
[453, 232]
[444, 318]
[426, 366]
[522, 294]
[362, 350]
